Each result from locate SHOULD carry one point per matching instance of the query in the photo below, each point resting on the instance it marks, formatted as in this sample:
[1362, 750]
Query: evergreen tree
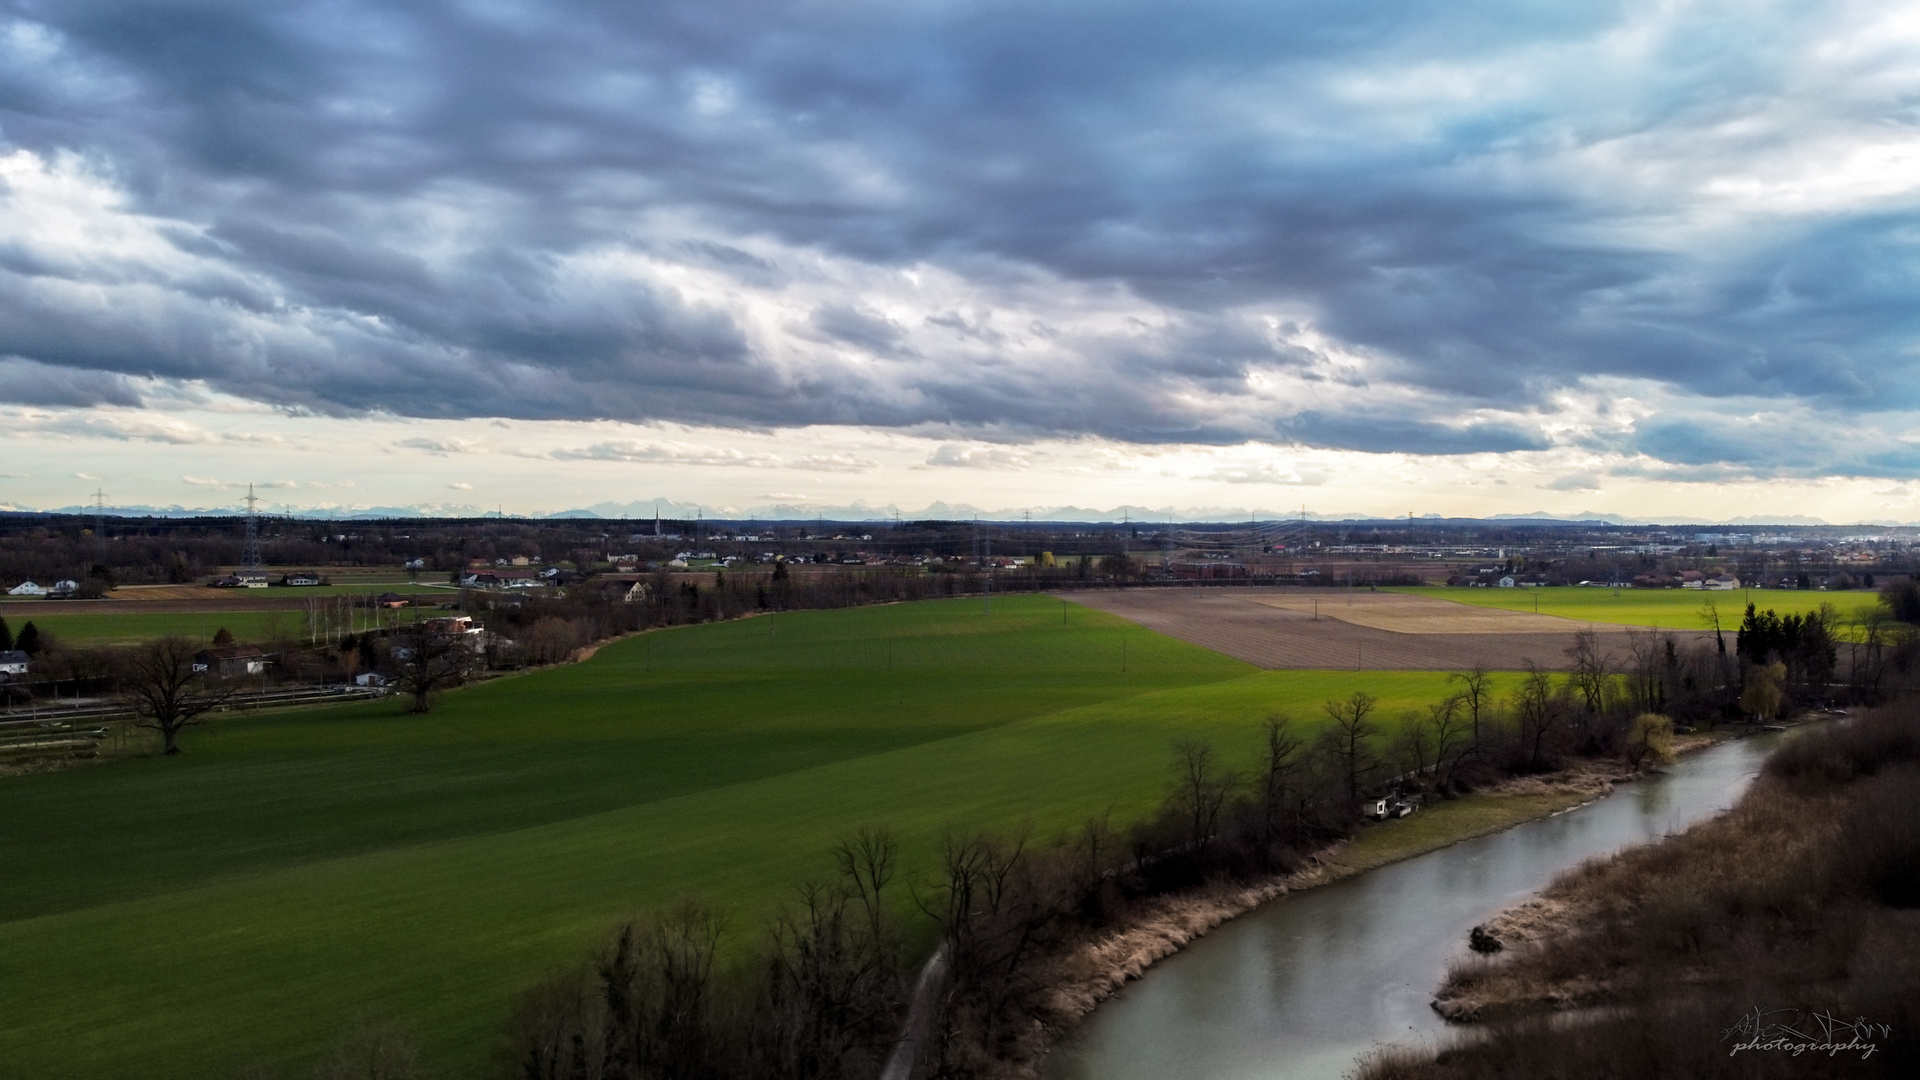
[6, 636]
[29, 640]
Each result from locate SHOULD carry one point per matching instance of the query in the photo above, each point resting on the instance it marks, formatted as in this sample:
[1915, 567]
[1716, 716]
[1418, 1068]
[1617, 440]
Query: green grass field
[117, 628]
[1670, 609]
[247, 900]
[121, 628]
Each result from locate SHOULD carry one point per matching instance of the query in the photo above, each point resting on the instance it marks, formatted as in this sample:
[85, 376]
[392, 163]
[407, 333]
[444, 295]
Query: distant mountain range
[669, 509]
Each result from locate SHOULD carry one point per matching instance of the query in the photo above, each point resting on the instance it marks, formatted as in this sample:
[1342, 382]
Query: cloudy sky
[1390, 257]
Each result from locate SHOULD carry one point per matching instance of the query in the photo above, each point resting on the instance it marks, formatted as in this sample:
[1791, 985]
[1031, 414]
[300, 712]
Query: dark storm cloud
[27, 383]
[1388, 434]
[425, 207]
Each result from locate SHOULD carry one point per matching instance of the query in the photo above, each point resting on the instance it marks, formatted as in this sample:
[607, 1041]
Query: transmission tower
[250, 554]
[99, 526]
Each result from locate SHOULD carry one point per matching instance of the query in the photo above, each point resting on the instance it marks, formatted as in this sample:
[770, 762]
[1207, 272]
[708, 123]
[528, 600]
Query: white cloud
[847, 463]
[1581, 482]
[950, 455]
[1267, 474]
[444, 445]
[638, 451]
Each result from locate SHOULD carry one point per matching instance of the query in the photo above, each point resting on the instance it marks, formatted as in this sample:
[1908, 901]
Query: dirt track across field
[1329, 629]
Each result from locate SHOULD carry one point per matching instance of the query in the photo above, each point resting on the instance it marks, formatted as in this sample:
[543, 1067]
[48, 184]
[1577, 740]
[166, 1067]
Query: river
[1303, 988]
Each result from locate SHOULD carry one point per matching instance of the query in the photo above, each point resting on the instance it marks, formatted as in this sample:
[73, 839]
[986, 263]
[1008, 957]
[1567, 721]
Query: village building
[223, 661]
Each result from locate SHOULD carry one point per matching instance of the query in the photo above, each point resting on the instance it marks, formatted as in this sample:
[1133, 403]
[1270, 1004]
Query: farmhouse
[27, 588]
[499, 578]
[13, 663]
[225, 660]
[301, 578]
[455, 628]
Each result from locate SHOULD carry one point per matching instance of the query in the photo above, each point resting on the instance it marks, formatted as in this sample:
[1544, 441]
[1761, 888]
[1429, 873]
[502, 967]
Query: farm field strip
[1401, 613]
[1667, 609]
[259, 892]
[1278, 629]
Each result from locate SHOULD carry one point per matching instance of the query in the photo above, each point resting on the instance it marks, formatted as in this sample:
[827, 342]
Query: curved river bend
[1303, 988]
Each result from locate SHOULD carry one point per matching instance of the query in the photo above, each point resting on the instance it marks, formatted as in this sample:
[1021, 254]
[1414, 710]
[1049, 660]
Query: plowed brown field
[1327, 628]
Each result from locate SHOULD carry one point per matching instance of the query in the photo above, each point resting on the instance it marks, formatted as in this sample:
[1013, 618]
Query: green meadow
[124, 627]
[121, 628]
[1668, 609]
[249, 899]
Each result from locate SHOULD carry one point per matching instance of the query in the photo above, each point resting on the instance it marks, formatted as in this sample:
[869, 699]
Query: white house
[1506, 582]
[27, 588]
[64, 587]
[1723, 583]
[13, 662]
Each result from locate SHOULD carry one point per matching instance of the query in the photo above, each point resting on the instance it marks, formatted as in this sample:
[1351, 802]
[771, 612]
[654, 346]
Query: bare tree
[1413, 742]
[1644, 669]
[1201, 789]
[166, 693]
[1541, 708]
[1710, 615]
[1352, 736]
[1476, 694]
[1591, 671]
[1873, 630]
[994, 921]
[1450, 747]
[831, 989]
[868, 860]
[658, 986]
[1279, 768]
[431, 657]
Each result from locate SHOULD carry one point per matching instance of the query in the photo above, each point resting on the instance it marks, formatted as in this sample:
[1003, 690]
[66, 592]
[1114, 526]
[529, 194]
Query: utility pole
[987, 568]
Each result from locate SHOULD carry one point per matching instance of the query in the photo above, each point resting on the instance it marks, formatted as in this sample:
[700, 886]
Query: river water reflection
[1303, 988]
